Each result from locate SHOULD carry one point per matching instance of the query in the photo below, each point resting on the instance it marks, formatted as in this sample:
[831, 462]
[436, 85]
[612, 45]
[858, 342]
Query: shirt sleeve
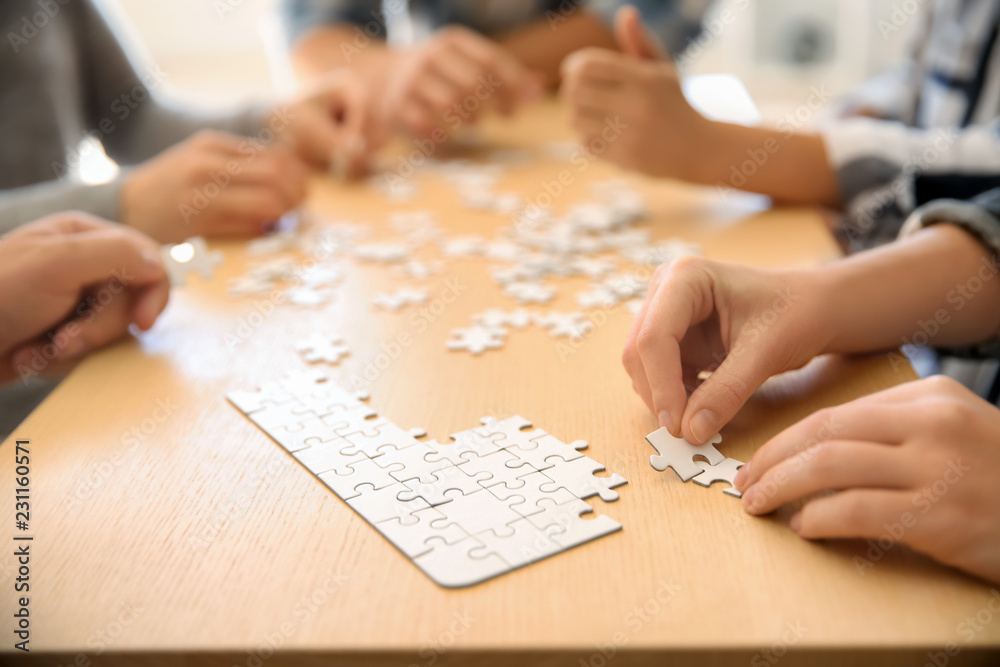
[980, 217]
[19, 206]
[885, 170]
[300, 16]
[126, 107]
[674, 22]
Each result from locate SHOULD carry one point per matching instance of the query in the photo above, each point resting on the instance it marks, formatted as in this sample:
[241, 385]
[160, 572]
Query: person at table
[69, 284]
[184, 173]
[502, 52]
[924, 130]
[918, 463]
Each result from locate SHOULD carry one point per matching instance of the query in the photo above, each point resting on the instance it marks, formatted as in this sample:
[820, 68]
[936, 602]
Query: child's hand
[81, 281]
[916, 464]
[451, 79]
[629, 107]
[213, 184]
[745, 324]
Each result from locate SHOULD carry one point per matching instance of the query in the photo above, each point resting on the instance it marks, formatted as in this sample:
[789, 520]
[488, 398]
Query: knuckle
[948, 414]
[732, 391]
[646, 340]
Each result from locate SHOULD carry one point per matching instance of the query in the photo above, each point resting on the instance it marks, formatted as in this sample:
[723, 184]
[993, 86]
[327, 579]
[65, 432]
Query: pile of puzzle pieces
[681, 456]
[494, 499]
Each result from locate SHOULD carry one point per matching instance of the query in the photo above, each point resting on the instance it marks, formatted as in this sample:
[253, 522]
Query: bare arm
[941, 281]
[543, 44]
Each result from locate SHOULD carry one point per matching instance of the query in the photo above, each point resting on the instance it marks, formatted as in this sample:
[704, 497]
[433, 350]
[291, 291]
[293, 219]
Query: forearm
[339, 45]
[941, 281]
[789, 167]
[542, 45]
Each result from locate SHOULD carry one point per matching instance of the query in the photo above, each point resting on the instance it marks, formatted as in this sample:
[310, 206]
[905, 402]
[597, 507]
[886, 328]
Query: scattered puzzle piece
[320, 347]
[191, 256]
[476, 340]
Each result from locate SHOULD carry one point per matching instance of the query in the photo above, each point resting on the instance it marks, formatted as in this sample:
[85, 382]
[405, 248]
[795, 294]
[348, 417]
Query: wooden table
[166, 524]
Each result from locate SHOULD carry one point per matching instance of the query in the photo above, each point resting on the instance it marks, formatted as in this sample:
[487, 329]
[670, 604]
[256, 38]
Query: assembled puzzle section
[495, 498]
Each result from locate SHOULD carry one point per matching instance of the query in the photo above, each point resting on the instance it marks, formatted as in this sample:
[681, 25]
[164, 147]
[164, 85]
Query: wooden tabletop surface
[165, 523]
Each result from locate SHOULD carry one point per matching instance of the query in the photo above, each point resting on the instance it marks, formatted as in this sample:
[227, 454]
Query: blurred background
[218, 52]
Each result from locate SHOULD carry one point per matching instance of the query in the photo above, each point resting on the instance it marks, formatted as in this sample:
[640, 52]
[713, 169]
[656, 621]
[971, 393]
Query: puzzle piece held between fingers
[678, 453]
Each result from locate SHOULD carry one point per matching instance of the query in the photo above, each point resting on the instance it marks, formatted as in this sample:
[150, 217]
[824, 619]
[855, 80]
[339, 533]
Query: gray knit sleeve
[126, 96]
[19, 206]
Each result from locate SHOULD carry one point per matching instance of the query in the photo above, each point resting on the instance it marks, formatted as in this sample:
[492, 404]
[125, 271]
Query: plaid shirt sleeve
[301, 16]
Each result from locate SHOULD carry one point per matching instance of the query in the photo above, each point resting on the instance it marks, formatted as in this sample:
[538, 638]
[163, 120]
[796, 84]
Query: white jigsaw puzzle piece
[322, 347]
[679, 454]
[191, 256]
[476, 340]
[721, 472]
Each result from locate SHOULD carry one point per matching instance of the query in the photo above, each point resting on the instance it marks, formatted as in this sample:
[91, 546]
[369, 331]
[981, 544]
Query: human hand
[70, 284]
[334, 126]
[213, 184]
[915, 464]
[743, 324]
[637, 96]
[451, 79]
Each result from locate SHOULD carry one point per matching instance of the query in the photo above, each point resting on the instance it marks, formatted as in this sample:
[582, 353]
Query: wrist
[824, 308]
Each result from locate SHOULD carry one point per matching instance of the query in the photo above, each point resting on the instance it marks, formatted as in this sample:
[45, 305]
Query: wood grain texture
[168, 522]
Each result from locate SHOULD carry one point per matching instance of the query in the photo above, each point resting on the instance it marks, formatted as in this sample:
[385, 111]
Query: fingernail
[704, 425]
[796, 521]
[741, 475]
[665, 421]
[748, 498]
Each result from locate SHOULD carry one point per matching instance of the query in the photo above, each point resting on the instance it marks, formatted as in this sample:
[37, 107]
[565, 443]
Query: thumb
[633, 38]
[720, 397]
